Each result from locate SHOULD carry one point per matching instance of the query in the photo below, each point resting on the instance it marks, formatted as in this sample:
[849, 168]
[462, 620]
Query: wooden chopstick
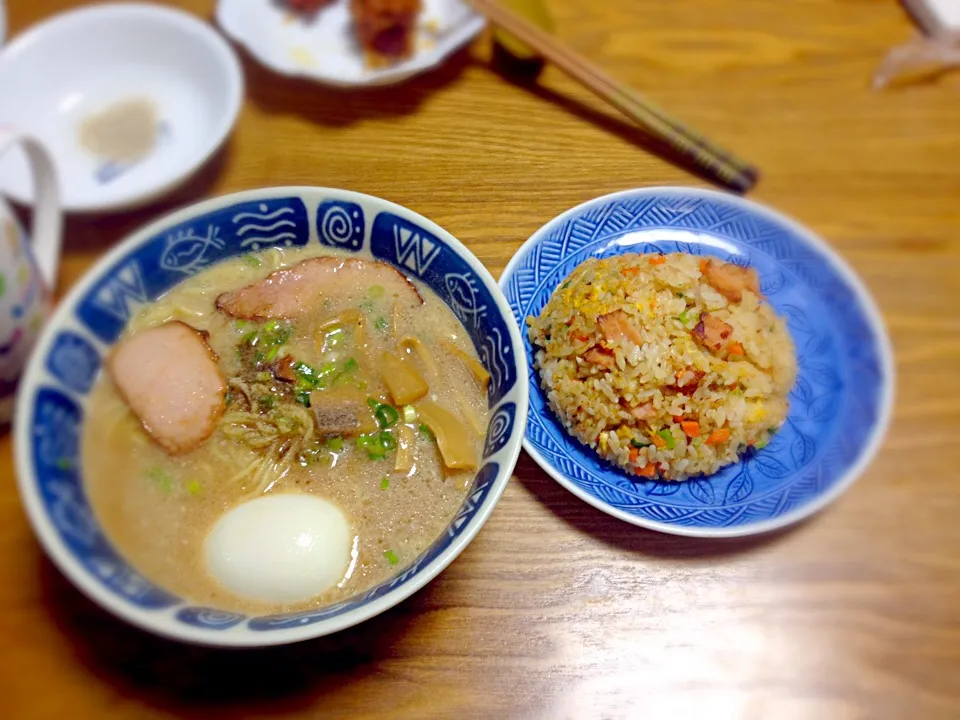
[712, 160]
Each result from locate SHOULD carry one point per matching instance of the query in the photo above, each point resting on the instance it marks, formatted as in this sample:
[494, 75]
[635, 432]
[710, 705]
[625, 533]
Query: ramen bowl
[55, 393]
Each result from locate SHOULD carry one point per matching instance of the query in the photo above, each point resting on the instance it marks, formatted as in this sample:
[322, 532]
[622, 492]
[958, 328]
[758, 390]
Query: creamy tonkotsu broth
[159, 491]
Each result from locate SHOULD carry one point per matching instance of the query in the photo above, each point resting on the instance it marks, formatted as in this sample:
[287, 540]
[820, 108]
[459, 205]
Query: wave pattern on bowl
[72, 357]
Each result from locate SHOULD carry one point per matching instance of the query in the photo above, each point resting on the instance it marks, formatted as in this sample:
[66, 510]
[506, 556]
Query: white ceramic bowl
[67, 360]
[324, 48]
[73, 65]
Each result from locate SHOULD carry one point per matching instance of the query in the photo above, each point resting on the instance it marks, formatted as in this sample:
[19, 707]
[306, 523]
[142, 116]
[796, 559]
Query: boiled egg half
[280, 548]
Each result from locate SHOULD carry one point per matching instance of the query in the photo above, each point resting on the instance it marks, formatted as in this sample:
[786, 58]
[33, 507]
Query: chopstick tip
[744, 181]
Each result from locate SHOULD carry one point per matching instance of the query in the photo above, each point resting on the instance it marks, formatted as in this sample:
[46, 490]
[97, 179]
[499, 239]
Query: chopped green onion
[303, 397]
[384, 483]
[277, 334]
[376, 291]
[683, 317]
[252, 260]
[306, 383]
[193, 487]
[426, 431]
[773, 430]
[266, 402]
[409, 414]
[285, 424]
[307, 377]
[264, 377]
[362, 442]
[335, 443]
[161, 477]
[639, 443]
[241, 323]
[391, 557]
[387, 416]
[366, 306]
[271, 335]
[381, 323]
[372, 446]
[272, 353]
[668, 438]
[373, 403]
[761, 444]
[388, 441]
[310, 379]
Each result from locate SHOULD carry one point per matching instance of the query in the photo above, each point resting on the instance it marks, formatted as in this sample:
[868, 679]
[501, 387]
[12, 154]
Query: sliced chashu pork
[618, 327]
[731, 280]
[299, 289]
[713, 333]
[172, 381]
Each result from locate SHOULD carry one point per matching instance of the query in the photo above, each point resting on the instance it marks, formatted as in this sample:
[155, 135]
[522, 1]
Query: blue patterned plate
[839, 408]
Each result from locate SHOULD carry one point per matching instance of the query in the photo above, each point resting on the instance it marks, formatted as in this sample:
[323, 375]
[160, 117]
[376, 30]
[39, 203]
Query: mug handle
[47, 229]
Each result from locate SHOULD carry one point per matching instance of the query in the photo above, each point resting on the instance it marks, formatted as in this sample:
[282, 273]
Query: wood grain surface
[556, 610]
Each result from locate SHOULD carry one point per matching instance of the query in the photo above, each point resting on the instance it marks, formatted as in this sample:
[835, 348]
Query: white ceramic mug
[28, 269]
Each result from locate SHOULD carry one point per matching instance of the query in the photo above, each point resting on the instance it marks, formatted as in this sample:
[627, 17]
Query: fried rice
[669, 366]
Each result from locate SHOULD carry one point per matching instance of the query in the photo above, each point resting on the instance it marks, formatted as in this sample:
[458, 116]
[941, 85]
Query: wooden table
[556, 610]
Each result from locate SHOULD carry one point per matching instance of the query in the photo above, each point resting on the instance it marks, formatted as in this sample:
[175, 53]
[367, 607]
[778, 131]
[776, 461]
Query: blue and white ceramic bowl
[68, 357]
[839, 408]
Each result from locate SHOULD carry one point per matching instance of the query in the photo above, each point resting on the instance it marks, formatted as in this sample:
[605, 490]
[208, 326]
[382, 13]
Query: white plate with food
[350, 43]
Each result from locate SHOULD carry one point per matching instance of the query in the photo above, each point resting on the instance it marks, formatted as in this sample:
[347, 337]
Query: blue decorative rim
[69, 357]
[840, 405]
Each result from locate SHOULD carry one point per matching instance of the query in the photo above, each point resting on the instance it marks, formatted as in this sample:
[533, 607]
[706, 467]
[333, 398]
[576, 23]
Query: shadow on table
[606, 121]
[194, 681]
[339, 107]
[590, 521]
